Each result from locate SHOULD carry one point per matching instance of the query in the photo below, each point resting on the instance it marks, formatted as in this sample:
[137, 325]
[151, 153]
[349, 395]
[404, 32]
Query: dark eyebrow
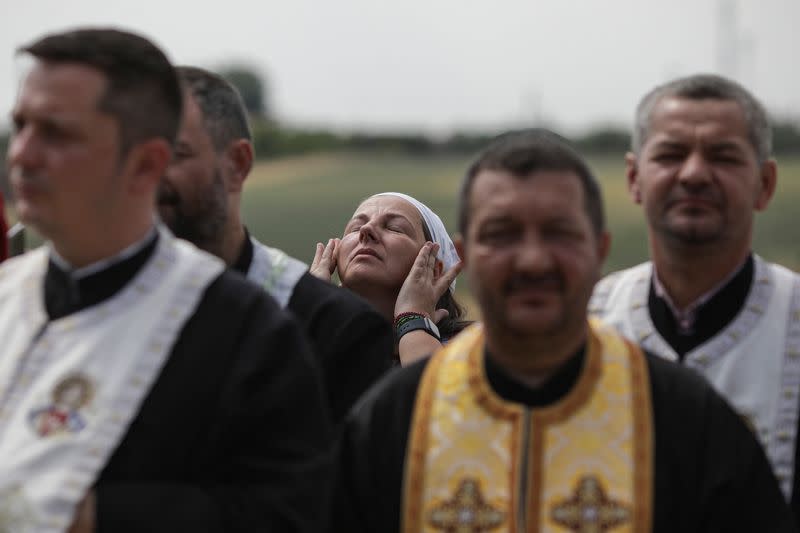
[388, 216]
[670, 145]
[499, 219]
[359, 216]
[54, 122]
[391, 215]
[562, 221]
[725, 145]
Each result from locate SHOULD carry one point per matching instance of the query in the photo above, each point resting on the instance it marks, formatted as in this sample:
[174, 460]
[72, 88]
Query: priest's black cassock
[232, 435]
[743, 336]
[710, 474]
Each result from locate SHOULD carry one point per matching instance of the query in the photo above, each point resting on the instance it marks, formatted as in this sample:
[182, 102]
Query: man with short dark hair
[701, 168]
[200, 201]
[538, 420]
[142, 386]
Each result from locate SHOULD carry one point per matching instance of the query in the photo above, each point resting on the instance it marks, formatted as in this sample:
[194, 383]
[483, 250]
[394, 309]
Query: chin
[363, 282]
[357, 273]
[353, 281]
[697, 234]
[540, 319]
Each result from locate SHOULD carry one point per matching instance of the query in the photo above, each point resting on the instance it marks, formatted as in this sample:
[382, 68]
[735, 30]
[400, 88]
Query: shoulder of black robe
[233, 436]
[711, 475]
[352, 341]
[371, 452]
[711, 472]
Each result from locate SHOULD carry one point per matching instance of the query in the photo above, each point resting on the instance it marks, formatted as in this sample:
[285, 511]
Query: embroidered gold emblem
[467, 512]
[589, 510]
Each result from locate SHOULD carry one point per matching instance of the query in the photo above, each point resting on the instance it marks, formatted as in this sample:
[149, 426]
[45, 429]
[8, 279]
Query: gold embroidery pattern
[589, 510]
[467, 512]
[455, 438]
[463, 432]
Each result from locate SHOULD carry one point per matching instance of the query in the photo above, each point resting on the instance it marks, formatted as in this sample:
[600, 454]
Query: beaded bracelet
[402, 318]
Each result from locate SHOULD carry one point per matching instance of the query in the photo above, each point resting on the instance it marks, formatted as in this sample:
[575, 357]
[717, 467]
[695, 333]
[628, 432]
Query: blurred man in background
[142, 386]
[200, 199]
[701, 167]
[536, 419]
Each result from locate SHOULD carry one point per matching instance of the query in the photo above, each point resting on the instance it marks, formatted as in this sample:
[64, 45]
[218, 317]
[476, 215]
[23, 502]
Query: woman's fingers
[318, 254]
[432, 251]
[443, 283]
[421, 269]
[329, 254]
[324, 262]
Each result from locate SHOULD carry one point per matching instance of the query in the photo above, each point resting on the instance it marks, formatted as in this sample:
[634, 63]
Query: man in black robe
[200, 201]
[142, 386]
[437, 445]
[701, 168]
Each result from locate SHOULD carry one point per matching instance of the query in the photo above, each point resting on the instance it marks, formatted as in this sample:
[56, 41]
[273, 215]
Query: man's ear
[458, 241]
[146, 163]
[768, 182]
[632, 175]
[240, 157]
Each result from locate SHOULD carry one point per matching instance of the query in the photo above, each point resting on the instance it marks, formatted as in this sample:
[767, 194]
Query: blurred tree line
[274, 139]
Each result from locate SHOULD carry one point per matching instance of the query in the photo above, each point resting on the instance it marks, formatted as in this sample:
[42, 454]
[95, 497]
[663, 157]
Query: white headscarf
[447, 250]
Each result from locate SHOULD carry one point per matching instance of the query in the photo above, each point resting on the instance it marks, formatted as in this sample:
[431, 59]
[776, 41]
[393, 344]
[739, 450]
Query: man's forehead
[61, 86]
[674, 116]
[190, 103]
[489, 182]
[496, 191]
[192, 118]
[194, 132]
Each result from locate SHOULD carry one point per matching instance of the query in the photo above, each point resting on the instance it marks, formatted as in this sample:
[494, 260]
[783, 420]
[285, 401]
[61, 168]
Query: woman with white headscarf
[395, 253]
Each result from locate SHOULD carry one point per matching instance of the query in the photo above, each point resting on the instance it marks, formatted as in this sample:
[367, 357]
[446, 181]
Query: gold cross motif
[466, 512]
[589, 510]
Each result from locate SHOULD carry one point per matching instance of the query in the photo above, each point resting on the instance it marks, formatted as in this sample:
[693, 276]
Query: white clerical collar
[93, 268]
[685, 318]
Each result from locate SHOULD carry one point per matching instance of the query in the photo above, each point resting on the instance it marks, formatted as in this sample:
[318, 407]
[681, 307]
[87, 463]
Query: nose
[23, 150]
[367, 233]
[534, 257]
[695, 171]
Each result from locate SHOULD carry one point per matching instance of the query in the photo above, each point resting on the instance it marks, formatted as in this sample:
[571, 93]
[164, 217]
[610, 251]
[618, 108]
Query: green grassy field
[294, 203]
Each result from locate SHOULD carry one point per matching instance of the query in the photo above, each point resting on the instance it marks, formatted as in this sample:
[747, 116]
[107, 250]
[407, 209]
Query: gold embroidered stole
[477, 462]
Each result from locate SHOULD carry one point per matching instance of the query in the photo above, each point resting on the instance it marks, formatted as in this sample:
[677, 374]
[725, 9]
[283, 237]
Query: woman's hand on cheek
[425, 284]
[324, 264]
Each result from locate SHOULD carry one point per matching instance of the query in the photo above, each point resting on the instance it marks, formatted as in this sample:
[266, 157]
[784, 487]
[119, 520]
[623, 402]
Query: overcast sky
[438, 65]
